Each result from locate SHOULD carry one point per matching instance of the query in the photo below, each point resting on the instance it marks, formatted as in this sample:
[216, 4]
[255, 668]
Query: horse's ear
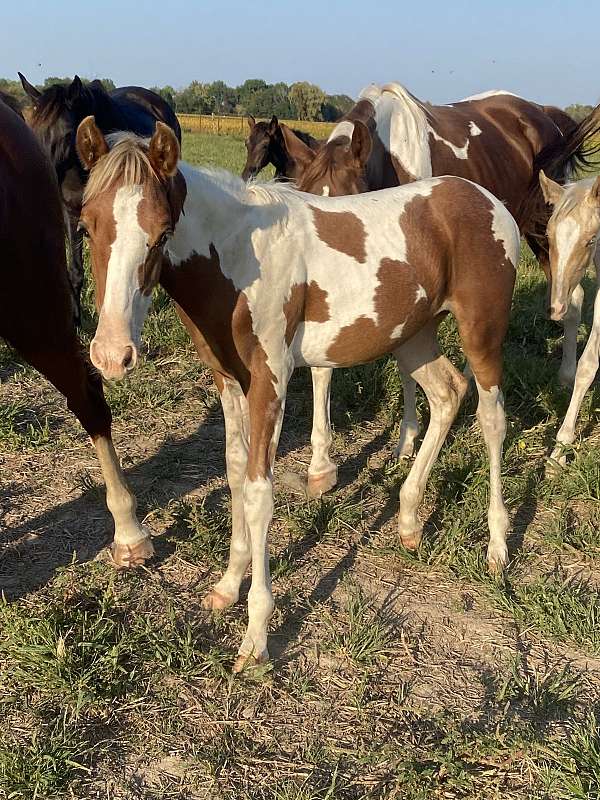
[300, 152]
[75, 89]
[164, 151]
[90, 143]
[361, 143]
[551, 190]
[251, 122]
[273, 124]
[29, 88]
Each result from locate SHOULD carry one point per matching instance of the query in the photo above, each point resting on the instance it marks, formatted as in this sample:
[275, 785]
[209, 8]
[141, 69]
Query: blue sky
[441, 50]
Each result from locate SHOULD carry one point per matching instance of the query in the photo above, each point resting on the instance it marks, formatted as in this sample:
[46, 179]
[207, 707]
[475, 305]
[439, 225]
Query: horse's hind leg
[63, 363]
[322, 472]
[482, 342]
[409, 427]
[444, 387]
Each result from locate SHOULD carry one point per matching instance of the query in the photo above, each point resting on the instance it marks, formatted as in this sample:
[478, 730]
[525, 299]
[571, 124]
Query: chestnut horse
[573, 231]
[57, 111]
[289, 150]
[255, 272]
[35, 313]
[495, 139]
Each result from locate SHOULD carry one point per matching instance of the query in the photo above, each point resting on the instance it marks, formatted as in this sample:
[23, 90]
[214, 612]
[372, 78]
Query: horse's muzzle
[113, 361]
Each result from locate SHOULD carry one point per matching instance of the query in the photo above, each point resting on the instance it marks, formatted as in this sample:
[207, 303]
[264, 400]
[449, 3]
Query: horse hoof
[411, 539]
[404, 450]
[322, 482]
[216, 601]
[244, 661]
[497, 559]
[127, 556]
[555, 465]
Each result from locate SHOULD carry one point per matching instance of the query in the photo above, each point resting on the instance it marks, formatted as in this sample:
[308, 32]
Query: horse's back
[32, 250]
[142, 108]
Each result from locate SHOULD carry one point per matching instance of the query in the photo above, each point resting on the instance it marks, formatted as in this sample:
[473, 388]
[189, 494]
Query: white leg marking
[235, 411]
[132, 543]
[586, 371]
[322, 472]
[409, 427]
[571, 321]
[492, 421]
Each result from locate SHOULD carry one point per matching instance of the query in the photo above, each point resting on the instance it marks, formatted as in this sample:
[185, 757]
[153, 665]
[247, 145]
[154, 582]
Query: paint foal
[35, 315]
[391, 138]
[573, 232]
[255, 272]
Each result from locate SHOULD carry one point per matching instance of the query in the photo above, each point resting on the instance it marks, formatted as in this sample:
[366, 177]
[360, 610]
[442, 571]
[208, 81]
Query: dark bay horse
[255, 271]
[58, 110]
[35, 312]
[289, 150]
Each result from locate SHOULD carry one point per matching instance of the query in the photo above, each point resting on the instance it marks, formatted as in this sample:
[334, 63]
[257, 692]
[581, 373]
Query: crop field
[212, 124]
[394, 674]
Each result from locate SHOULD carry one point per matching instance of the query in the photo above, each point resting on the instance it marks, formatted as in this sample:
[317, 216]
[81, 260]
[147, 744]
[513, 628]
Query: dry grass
[394, 675]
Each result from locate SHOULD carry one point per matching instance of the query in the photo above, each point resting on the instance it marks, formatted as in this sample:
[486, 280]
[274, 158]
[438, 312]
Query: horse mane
[308, 140]
[53, 101]
[561, 160]
[322, 162]
[127, 159]
[12, 102]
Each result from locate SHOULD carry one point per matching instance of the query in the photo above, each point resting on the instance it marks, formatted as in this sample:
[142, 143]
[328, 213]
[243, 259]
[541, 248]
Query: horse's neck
[107, 112]
[211, 212]
[285, 166]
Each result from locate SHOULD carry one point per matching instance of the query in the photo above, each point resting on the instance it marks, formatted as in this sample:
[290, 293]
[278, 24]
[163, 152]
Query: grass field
[394, 675]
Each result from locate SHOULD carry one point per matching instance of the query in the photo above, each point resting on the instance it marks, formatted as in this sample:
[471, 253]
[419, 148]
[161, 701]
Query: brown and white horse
[573, 232]
[495, 139]
[35, 313]
[255, 271]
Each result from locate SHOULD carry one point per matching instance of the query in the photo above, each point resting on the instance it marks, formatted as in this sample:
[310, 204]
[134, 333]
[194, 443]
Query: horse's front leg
[322, 472]
[235, 411]
[409, 427]
[571, 322]
[75, 263]
[266, 401]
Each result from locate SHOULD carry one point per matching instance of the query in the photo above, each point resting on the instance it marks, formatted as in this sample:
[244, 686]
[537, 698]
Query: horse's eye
[592, 241]
[83, 230]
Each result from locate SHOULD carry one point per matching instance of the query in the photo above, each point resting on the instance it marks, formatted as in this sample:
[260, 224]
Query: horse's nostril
[128, 358]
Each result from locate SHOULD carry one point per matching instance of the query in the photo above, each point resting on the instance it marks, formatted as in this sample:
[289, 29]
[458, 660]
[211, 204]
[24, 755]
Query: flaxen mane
[127, 160]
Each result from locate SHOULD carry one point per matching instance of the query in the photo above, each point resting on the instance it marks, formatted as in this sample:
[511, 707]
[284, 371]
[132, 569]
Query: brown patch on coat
[101, 237]
[342, 231]
[307, 303]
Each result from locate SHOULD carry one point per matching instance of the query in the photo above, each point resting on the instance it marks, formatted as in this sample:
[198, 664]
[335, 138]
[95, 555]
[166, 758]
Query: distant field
[238, 126]
[395, 675]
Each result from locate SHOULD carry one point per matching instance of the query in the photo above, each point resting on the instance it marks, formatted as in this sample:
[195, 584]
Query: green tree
[307, 99]
[578, 111]
[335, 106]
[166, 92]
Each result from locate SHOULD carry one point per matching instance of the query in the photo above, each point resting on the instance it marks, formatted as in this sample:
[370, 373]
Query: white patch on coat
[504, 227]
[485, 95]
[474, 129]
[325, 192]
[343, 128]
[122, 296]
[459, 152]
[397, 332]
[421, 294]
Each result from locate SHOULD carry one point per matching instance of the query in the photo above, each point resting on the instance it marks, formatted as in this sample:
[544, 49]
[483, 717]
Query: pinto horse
[495, 139]
[35, 315]
[289, 150]
[57, 112]
[255, 272]
[573, 232]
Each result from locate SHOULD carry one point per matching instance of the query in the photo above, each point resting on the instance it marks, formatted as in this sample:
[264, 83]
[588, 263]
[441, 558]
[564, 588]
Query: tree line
[301, 100]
